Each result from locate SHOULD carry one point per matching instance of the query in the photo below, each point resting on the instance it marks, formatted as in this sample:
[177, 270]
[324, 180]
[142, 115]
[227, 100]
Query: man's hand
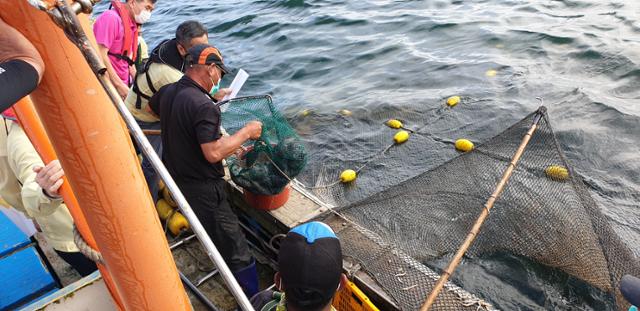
[221, 94]
[122, 89]
[254, 129]
[133, 71]
[225, 146]
[239, 153]
[49, 178]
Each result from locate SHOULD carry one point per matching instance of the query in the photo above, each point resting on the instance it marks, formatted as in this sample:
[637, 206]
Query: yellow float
[167, 196]
[464, 145]
[305, 112]
[345, 112]
[164, 209]
[348, 176]
[453, 100]
[161, 185]
[178, 223]
[401, 137]
[557, 172]
[394, 124]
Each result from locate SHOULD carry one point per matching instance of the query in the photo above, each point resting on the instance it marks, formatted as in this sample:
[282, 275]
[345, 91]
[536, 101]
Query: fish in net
[277, 156]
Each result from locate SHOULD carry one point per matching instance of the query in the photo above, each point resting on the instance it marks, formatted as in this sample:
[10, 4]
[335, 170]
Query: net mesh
[401, 276]
[549, 218]
[279, 144]
[338, 143]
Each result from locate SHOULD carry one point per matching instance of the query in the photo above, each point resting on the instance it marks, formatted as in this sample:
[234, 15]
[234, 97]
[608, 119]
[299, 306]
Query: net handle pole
[71, 26]
[483, 215]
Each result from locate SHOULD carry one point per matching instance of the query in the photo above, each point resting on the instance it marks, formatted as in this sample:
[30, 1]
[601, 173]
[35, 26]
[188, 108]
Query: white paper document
[237, 84]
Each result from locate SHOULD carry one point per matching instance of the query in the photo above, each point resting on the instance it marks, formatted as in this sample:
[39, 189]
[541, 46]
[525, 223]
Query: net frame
[268, 165]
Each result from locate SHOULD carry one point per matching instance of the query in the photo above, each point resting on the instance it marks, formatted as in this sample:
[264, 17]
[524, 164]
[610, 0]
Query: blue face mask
[214, 89]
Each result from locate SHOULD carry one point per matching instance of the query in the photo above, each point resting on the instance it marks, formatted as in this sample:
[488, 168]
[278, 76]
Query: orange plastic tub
[267, 202]
[262, 201]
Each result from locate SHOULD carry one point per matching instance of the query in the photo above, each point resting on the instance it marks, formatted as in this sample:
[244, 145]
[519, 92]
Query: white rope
[85, 249]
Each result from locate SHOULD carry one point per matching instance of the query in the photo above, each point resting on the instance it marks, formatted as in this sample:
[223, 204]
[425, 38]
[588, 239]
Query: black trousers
[209, 201]
[78, 262]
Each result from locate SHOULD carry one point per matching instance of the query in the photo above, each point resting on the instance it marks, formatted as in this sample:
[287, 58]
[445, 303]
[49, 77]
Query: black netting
[401, 276]
[547, 216]
[279, 144]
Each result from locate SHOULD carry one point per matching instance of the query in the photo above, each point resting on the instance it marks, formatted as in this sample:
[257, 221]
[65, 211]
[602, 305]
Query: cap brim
[223, 67]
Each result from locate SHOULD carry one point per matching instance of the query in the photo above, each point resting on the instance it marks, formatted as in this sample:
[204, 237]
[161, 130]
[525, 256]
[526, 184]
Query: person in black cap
[310, 264]
[630, 289]
[193, 150]
[165, 65]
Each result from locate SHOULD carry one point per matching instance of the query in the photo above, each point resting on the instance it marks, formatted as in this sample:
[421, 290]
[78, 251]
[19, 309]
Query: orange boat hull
[96, 153]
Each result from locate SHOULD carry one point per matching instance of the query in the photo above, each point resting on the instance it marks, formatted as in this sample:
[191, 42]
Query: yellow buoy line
[400, 137]
[347, 176]
[554, 172]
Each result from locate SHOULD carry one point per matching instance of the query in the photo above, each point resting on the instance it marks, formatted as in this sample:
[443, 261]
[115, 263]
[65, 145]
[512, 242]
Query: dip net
[266, 165]
[545, 213]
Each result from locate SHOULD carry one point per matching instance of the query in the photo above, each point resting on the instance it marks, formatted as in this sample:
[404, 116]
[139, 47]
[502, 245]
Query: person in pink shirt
[116, 32]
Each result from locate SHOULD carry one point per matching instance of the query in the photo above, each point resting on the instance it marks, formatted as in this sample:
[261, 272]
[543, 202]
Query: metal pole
[181, 242]
[198, 293]
[205, 278]
[77, 35]
[483, 215]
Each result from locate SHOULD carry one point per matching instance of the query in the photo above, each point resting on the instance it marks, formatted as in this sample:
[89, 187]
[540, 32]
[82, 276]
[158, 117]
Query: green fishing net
[269, 163]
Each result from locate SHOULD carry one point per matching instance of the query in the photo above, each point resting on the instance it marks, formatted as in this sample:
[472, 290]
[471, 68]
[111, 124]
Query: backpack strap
[136, 88]
[123, 57]
[150, 83]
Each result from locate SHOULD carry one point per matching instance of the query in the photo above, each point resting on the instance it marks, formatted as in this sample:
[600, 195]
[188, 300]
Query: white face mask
[143, 16]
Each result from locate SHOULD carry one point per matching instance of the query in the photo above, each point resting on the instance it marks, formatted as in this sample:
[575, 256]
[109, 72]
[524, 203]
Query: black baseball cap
[204, 54]
[630, 288]
[310, 263]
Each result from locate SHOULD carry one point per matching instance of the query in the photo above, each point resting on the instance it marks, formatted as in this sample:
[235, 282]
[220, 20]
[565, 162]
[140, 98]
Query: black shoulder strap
[139, 94]
[150, 83]
[122, 57]
[6, 128]
[136, 88]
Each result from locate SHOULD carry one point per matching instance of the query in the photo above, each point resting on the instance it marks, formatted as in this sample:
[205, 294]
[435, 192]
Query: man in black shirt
[166, 65]
[193, 150]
